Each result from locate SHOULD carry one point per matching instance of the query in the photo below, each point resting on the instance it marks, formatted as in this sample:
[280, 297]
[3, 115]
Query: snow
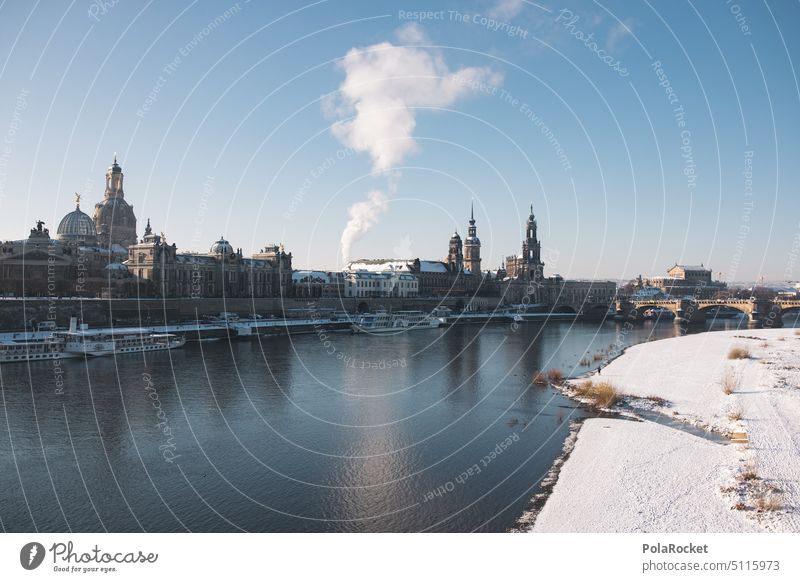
[389, 265]
[626, 476]
[649, 476]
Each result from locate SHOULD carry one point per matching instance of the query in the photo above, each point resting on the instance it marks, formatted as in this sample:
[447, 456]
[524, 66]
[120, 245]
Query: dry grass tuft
[539, 378]
[769, 501]
[738, 353]
[782, 339]
[555, 376]
[735, 414]
[597, 357]
[585, 362]
[601, 394]
[749, 472]
[797, 332]
[730, 382]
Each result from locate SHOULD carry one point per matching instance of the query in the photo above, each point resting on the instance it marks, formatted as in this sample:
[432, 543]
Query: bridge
[759, 312]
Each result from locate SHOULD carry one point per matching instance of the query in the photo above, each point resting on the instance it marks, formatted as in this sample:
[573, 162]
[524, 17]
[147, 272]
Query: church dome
[221, 247]
[455, 236]
[76, 225]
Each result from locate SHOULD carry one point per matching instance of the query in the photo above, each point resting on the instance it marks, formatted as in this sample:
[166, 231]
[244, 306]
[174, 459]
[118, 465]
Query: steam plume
[385, 86]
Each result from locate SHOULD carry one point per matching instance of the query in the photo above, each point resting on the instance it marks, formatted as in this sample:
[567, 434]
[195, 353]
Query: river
[435, 430]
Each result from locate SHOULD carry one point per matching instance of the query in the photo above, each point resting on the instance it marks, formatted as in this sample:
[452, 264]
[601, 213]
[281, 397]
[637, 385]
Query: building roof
[116, 267]
[306, 276]
[195, 258]
[432, 267]
[76, 225]
[221, 247]
[689, 267]
[380, 265]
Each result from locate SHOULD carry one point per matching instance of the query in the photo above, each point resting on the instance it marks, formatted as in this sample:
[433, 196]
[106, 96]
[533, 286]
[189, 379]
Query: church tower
[472, 246]
[532, 250]
[455, 255]
[114, 219]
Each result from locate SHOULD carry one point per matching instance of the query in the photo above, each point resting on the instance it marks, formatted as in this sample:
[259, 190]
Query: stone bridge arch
[788, 306]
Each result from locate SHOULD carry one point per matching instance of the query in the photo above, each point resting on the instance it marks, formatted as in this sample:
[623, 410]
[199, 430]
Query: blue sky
[223, 125]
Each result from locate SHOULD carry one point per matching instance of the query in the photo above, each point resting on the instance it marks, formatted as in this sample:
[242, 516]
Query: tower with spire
[529, 265]
[114, 219]
[531, 247]
[472, 246]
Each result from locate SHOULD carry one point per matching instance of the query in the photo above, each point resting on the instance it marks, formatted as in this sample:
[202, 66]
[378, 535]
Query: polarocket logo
[31, 555]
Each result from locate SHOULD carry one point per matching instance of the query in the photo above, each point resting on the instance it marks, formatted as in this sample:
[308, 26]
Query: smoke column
[384, 88]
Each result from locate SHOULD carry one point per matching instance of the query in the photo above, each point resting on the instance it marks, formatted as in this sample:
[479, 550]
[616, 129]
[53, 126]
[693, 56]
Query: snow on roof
[380, 265]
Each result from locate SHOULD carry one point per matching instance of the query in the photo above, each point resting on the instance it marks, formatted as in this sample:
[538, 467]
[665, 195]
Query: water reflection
[285, 434]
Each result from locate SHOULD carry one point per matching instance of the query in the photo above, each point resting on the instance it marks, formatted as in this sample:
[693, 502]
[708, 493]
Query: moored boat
[82, 341]
[398, 321]
[33, 350]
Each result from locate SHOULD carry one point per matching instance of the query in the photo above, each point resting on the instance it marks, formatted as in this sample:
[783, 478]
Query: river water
[435, 430]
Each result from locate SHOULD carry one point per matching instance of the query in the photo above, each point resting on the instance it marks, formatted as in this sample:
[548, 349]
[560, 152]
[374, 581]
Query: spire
[115, 158]
[472, 211]
[147, 229]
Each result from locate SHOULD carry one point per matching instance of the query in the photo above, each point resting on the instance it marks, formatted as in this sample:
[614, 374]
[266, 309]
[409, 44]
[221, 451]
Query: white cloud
[506, 8]
[384, 89]
[411, 33]
[618, 32]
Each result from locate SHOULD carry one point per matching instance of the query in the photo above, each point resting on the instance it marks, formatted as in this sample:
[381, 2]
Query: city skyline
[263, 147]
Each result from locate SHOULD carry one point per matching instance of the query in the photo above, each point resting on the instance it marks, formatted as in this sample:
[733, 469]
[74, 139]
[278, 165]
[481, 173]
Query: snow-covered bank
[646, 476]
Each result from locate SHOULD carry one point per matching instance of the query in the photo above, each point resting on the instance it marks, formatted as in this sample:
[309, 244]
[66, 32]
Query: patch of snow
[649, 476]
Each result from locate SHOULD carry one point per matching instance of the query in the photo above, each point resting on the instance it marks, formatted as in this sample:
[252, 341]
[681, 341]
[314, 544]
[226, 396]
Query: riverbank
[652, 476]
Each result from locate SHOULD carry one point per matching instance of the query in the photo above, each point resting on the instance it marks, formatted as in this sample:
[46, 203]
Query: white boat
[398, 321]
[107, 342]
[33, 350]
[86, 342]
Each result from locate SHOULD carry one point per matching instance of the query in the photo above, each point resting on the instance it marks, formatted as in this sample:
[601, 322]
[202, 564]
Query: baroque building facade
[221, 272]
[524, 282]
[472, 246]
[458, 274]
[71, 264]
[528, 265]
[114, 220]
[100, 256]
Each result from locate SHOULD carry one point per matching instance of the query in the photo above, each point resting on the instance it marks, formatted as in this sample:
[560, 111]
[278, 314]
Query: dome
[76, 225]
[116, 267]
[455, 236]
[221, 247]
[115, 167]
